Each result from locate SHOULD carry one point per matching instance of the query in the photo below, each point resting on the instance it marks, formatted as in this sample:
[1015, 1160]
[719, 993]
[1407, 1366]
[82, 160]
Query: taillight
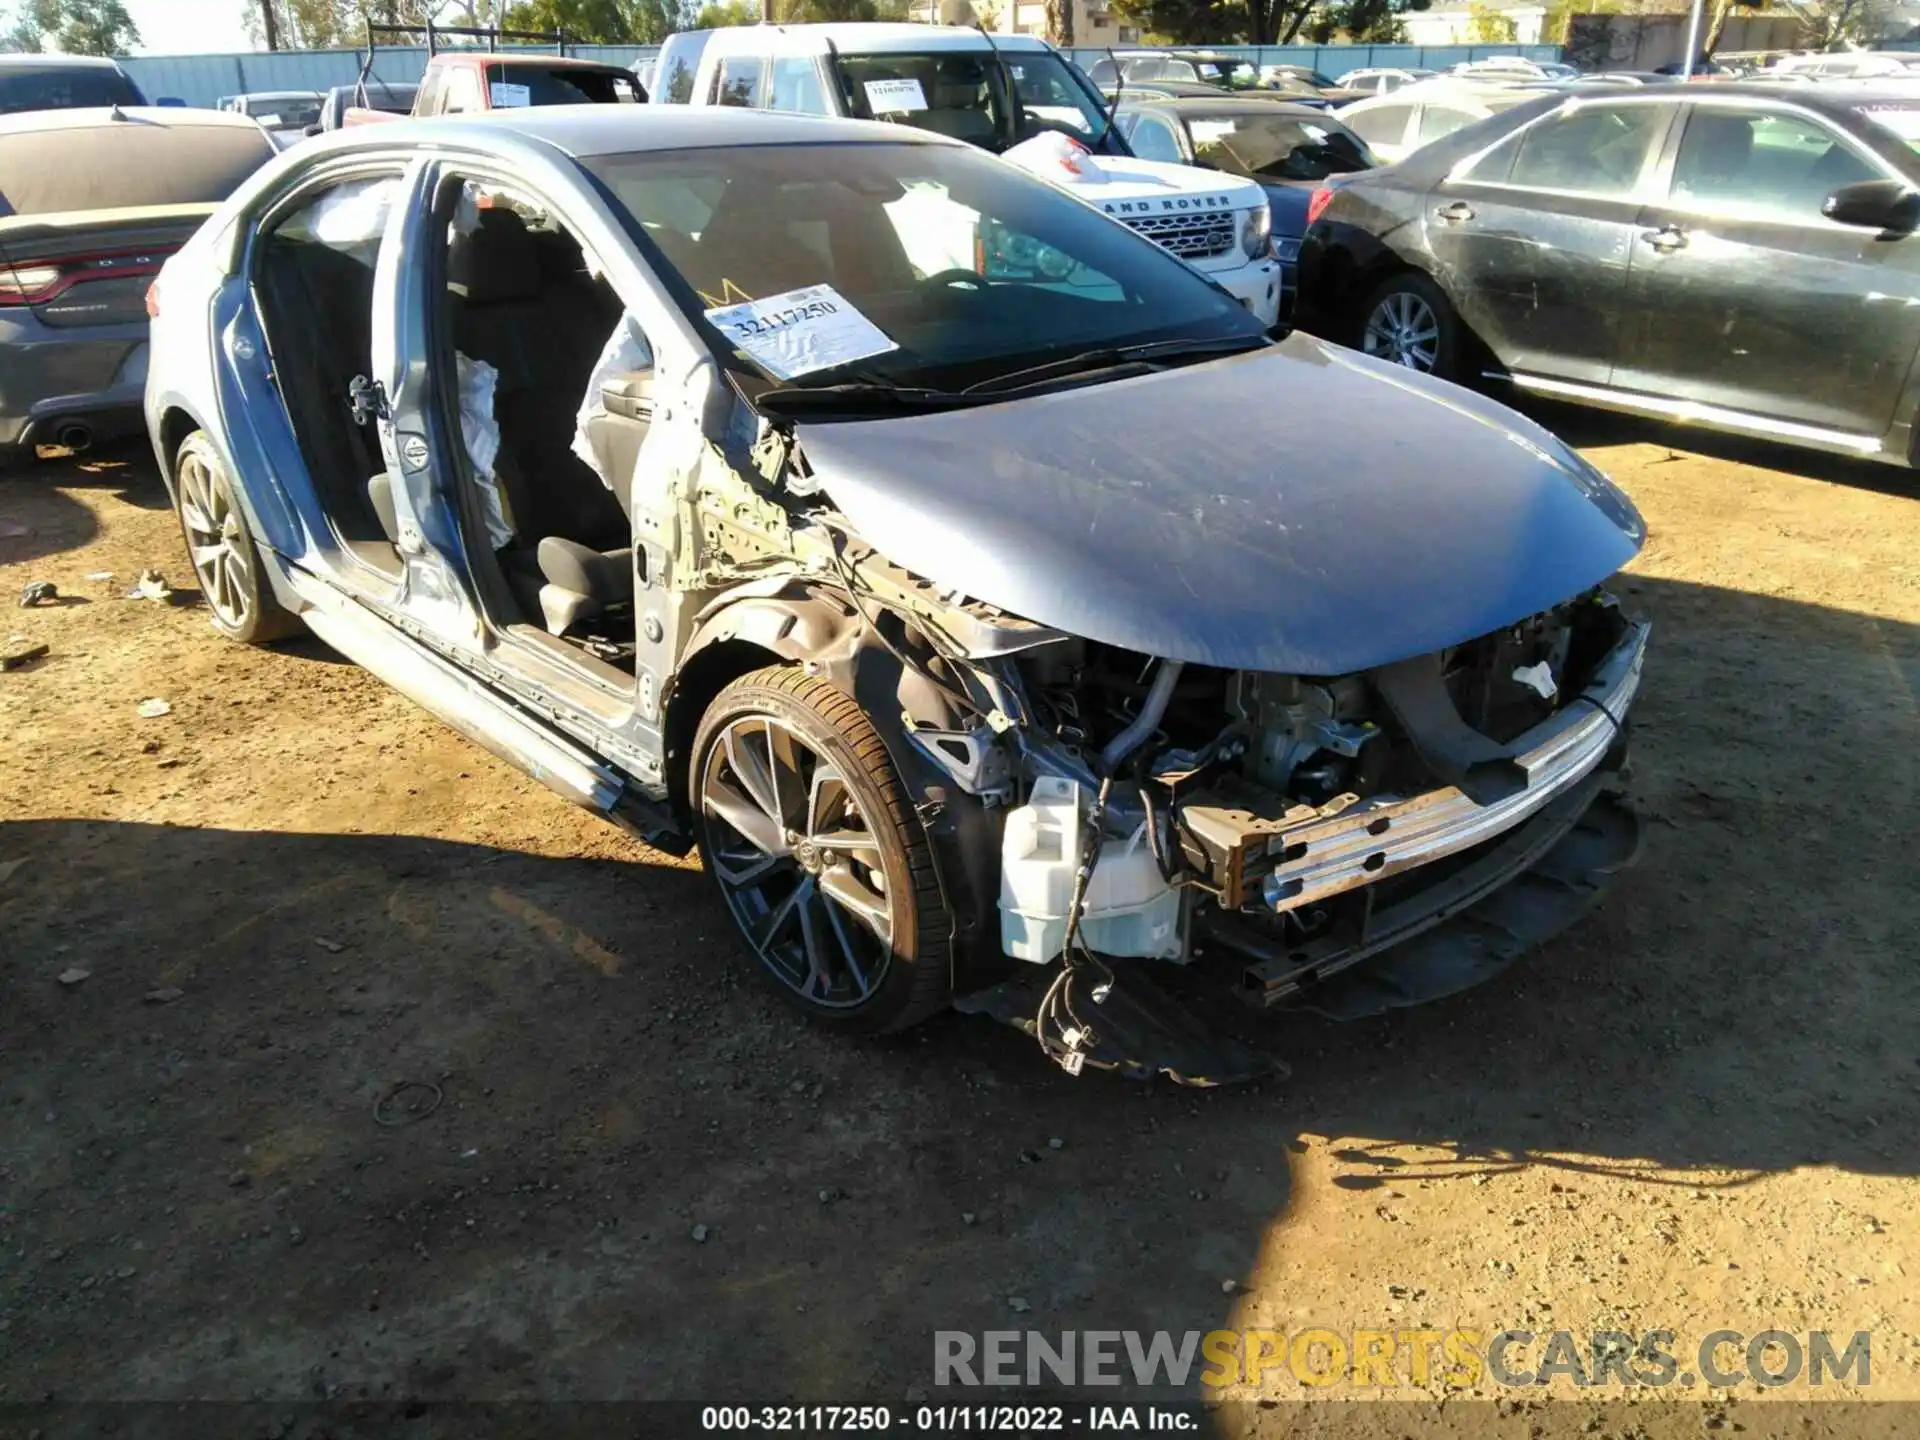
[30, 284]
[153, 300]
[34, 282]
[1317, 203]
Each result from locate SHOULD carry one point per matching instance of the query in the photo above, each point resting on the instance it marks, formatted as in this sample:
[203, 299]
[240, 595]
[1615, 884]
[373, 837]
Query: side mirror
[1885, 205]
[316, 129]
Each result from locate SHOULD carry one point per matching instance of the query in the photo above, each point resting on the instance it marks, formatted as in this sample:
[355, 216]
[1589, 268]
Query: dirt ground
[1697, 1111]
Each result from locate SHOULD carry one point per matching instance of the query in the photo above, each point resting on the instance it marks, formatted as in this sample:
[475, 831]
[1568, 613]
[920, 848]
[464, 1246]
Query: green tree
[1265, 22]
[1487, 26]
[75, 27]
[718, 14]
[598, 22]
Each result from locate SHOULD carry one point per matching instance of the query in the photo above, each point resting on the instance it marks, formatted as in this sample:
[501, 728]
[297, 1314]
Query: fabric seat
[541, 332]
[524, 303]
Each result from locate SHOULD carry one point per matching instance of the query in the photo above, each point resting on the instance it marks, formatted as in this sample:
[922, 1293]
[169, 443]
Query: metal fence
[204, 79]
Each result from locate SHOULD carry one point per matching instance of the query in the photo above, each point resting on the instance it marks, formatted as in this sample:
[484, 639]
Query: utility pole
[270, 24]
[1693, 41]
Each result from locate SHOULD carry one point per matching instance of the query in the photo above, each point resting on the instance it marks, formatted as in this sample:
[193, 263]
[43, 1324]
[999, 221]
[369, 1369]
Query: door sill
[1692, 412]
[529, 643]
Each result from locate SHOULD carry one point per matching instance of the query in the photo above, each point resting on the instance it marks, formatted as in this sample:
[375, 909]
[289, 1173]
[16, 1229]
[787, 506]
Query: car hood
[1299, 509]
[1125, 186]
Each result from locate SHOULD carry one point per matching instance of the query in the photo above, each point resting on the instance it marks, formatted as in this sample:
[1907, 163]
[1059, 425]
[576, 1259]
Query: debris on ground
[7, 867]
[14, 659]
[74, 974]
[38, 592]
[151, 585]
[13, 529]
[99, 576]
[154, 707]
[332, 947]
[1018, 1305]
[700, 1233]
[165, 995]
[421, 1099]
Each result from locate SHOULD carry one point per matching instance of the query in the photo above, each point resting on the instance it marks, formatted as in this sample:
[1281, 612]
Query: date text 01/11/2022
[951, 1419]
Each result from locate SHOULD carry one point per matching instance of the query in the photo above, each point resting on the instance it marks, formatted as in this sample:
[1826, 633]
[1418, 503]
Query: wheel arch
[176, 423]
[805, 623]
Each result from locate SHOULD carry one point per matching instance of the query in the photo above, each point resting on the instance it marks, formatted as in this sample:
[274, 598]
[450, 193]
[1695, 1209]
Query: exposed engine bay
[1283, 828]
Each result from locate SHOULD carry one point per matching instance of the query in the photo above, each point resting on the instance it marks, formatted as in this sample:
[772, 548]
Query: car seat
[525, 305]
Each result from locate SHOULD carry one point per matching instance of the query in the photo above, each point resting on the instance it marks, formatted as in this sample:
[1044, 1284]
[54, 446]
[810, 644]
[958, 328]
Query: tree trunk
[1722, 11]
[270, 24]
[1059, 21]
[1294, 21]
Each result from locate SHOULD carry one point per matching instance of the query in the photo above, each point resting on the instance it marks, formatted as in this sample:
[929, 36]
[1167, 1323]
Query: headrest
[495, 261]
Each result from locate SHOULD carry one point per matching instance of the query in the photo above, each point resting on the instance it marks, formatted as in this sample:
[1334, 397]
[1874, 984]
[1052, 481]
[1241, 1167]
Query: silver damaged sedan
[1009, 618]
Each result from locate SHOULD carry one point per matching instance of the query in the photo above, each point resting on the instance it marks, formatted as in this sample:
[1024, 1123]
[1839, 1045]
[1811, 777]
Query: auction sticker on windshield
[894, 97]
[508, 96]
[801, 331]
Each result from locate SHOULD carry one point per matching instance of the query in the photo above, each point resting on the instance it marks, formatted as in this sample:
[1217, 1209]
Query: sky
[190, 27]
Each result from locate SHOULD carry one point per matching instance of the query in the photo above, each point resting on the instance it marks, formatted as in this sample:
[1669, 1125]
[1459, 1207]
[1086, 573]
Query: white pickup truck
[1012, 94]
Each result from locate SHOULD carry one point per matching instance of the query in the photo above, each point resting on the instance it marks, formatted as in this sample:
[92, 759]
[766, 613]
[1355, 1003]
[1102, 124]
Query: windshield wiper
[861, 396]
[1112, 357]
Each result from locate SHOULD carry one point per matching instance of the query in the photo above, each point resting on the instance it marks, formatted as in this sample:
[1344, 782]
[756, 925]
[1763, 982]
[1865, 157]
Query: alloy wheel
[800, 867]
[1403, 329]
[216, 539]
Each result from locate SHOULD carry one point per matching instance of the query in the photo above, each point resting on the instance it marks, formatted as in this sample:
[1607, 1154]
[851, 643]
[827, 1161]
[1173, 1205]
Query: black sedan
[1287, 149]
[1739, 257]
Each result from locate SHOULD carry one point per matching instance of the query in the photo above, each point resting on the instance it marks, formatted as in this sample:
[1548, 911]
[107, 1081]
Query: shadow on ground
[38, 520]
[643, 1177]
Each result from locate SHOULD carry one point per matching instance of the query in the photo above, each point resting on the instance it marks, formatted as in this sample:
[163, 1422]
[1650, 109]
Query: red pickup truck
[459, 82]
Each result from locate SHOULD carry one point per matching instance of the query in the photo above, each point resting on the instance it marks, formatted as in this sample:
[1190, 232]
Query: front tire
[225, 560]
[1408, 321]
[806, 829]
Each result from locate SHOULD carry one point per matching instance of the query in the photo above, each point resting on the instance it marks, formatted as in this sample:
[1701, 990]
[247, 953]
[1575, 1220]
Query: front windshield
[285, 112]
[923, 265]
[1228, 73]
[560, 85]
[1276, 147]
[964, 94]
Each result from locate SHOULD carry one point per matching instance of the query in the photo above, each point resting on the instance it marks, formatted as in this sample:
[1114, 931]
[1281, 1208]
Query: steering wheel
[972, 279]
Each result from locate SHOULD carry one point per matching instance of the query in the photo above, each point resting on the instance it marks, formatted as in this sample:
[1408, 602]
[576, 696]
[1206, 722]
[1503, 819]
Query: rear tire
[1408, 321]
[225, 559]
[824, 866]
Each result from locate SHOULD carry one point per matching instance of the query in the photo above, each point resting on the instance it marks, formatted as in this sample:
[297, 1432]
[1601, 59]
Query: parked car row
[1739, 256]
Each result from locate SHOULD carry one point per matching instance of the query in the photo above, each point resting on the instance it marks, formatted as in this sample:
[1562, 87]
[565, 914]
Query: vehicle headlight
[1287, 248]
[1256, 233]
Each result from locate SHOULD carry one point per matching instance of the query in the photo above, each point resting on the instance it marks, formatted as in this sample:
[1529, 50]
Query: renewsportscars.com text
[1386, 1359]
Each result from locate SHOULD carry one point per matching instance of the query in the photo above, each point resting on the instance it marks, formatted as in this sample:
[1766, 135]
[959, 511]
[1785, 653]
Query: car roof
[1226, 104]
[1836, 97]
[47, 62]
[522, 57]
[176, 117]
[276, 95]
[869, 37]
[583, 131]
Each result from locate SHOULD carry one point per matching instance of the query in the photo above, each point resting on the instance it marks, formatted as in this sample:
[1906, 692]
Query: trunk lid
[92, 267]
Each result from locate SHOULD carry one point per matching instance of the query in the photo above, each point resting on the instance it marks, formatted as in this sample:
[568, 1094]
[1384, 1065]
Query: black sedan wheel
[825, 868]
[225, 559]
[1408, 322]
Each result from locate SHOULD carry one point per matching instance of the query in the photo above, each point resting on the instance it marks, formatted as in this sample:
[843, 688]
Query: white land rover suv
[1014, 95]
